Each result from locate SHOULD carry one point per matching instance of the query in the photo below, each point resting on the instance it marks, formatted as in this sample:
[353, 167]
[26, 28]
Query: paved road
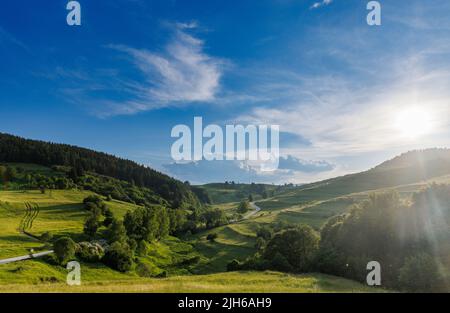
[256, 210]
[25, 257]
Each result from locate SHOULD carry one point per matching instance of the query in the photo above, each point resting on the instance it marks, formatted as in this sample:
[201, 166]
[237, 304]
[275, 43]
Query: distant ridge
[415, 157]
[407, 168]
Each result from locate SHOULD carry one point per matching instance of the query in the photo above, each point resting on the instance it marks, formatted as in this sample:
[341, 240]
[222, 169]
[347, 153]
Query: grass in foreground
[221, 283]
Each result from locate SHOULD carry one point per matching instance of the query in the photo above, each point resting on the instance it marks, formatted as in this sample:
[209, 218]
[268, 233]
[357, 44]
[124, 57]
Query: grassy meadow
[61, 212]
[220, 282]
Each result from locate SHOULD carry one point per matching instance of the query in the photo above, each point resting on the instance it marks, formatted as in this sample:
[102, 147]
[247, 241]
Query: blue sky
[346, 96]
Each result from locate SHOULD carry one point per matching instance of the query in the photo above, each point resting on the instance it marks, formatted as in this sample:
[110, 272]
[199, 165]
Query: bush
[89, 252]
[212, 237]
[94, 204]
[93, 199]
[64, 249]
[119, 257]
[234, 265]
[91, 225]
[243, 207]
[46, 237]
[116, 232]
[146, 270]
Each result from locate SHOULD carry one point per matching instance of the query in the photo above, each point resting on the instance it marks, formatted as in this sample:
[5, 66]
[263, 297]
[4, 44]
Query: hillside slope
[19, 150]
[408, 168]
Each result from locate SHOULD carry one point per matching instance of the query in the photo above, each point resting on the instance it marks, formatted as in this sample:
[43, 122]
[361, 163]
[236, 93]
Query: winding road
[25, 257]
[256, 210]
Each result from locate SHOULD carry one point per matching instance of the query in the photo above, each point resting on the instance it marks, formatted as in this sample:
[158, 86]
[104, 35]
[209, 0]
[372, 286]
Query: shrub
[93, 199]
[89, 252]
[119, 257]
[91, 225]
[116, 232]
[212, 237]
[46, 237]
[64, 249]
[234, 265]
[243, 207]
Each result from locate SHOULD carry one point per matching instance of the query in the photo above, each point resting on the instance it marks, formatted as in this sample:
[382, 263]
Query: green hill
[61, 212]
[409, 168]
[76, 161]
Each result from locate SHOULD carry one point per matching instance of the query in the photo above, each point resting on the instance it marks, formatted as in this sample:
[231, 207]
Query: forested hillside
[19, 150]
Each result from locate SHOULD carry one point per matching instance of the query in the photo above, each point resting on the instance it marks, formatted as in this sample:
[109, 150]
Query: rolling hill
[414, 167]
[15, 149]
[61, 212]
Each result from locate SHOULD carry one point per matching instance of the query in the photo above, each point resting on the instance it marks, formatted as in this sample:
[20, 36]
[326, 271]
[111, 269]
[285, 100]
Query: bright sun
[414, 122]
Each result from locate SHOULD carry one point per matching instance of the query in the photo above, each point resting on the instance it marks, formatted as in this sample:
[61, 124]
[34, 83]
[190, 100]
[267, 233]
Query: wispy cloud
[5, 36]
[319, 4]
[183, 73]
[341, 120]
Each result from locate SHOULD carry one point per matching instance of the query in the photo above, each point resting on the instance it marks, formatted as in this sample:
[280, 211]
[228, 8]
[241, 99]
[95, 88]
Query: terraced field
[59, 212]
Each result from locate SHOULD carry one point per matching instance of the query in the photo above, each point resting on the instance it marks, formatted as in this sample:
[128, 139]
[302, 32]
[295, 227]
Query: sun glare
[414, 122]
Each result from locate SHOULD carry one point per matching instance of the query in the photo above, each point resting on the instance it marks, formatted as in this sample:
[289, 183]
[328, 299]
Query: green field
[222, 282]
[61, 212]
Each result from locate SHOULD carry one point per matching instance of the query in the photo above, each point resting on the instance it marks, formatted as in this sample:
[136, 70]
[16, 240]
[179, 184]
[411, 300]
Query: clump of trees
[147, 223]
[214, 218]
[119, 256]
[97, 208]
[244, 207]
[64, 249]
[292, 249]
[408, 240]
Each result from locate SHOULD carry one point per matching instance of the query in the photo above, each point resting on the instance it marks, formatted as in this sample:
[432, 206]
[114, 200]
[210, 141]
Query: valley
[196, 251]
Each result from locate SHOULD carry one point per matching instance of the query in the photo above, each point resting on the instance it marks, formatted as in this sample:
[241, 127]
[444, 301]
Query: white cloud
[291, 169]
[342, 119]
[183, 73]
[322, 3]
